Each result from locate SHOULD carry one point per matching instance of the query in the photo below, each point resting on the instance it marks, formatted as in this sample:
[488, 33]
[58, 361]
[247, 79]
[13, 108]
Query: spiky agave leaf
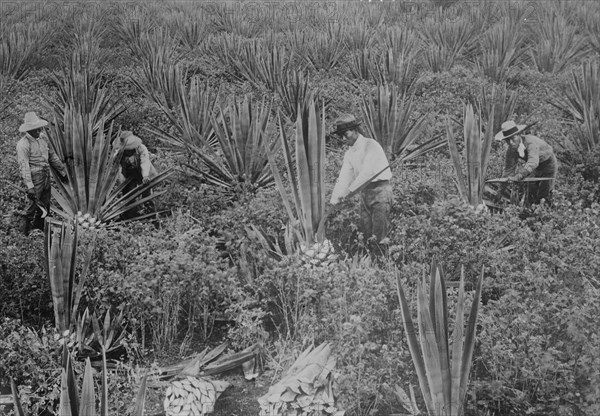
[16, 398]
[191, 116]
[443, 378]
[83, 90]
[92, 170]
[471, 182]
[61, 254]
[389, 122]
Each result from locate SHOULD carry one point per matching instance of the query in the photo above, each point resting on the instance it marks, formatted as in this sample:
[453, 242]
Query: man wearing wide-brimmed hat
[365, 164]
[135, 164]
[538, 156]
[35, 156]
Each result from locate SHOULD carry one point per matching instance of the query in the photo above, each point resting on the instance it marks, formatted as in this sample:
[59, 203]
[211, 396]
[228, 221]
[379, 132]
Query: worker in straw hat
[538, 157]
[135, 164]
[35, 156]
[362, 161]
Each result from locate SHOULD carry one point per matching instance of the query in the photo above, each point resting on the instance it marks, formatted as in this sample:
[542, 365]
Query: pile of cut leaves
[306, 388]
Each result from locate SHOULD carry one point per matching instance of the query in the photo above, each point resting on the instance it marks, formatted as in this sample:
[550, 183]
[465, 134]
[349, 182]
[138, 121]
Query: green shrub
[32, 360]
[169, 282]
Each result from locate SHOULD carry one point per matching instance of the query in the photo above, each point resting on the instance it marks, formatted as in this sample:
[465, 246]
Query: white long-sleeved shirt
[361, 162]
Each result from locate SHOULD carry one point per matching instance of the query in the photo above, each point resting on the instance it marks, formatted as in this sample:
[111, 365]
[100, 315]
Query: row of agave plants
[495, 39]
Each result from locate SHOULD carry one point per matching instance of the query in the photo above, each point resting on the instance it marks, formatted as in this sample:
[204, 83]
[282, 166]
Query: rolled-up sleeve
[533, 158]
[344, 179]
[144, 161]
[55, 161]
[23, 159]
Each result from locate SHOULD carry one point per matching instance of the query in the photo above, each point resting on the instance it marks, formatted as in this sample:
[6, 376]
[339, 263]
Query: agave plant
[581, 103]
[443, 364]
[501, 48]
[82, 89]
[295, 88]
[557, 43]
[261, 65]
[92, 170]
[190, 114]
[471, 183]
[447, 39]
[191, 30]
[6, 91]
[363, 64]
[20, 45]
[399, 69]
[306, 174]
[389, 123]
[499, 100]
[94, 336]
[242, 133]
[162, 81]
[74, 404]
[86, 37]
[320, 50]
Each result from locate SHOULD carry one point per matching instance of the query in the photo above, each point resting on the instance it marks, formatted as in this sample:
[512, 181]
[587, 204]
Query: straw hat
[32, 122]
[345, 123]
[128, 140]
[509, 129]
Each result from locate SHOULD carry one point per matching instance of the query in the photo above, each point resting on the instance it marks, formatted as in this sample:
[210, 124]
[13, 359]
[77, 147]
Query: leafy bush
[31, 359]
[162, 279]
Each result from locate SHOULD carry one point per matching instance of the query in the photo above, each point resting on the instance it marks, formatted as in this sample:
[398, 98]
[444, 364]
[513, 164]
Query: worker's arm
[144, 161]
[510, 162]
[54, 160]
[533, 161]
[344, 179]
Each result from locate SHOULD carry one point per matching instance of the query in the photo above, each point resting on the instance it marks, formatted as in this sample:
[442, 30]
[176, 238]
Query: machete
[44, 212]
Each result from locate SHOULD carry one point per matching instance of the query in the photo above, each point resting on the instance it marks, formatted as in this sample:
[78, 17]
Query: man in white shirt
[365, 164]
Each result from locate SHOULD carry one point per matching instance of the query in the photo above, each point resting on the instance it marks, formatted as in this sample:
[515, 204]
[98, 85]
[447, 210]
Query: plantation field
[235, 102]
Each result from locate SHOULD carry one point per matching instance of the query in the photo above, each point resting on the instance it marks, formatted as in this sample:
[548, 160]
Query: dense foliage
[217, 266]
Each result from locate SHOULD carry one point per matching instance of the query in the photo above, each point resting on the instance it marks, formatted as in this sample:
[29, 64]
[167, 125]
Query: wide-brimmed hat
[345, 123]
[508, 130]
[32, 122]
[128, 140]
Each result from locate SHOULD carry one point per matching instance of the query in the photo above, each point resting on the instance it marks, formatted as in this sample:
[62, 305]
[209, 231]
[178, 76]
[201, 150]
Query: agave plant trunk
[442, 364]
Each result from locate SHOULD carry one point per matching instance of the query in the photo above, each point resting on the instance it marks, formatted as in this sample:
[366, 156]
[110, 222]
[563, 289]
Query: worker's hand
[31, 194]
[335, 201]
[145, 180]
[513, 178]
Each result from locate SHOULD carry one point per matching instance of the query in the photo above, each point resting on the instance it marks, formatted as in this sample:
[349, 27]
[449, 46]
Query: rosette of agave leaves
[92, 196]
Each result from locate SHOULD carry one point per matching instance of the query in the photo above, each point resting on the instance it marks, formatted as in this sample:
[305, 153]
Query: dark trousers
[536, 191]
[136, 180]
[32, 216]
[376, 204]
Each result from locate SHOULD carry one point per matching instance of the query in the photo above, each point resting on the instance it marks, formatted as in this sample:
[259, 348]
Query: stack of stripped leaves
[193, 396]
[192, 391]
[306, 388]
